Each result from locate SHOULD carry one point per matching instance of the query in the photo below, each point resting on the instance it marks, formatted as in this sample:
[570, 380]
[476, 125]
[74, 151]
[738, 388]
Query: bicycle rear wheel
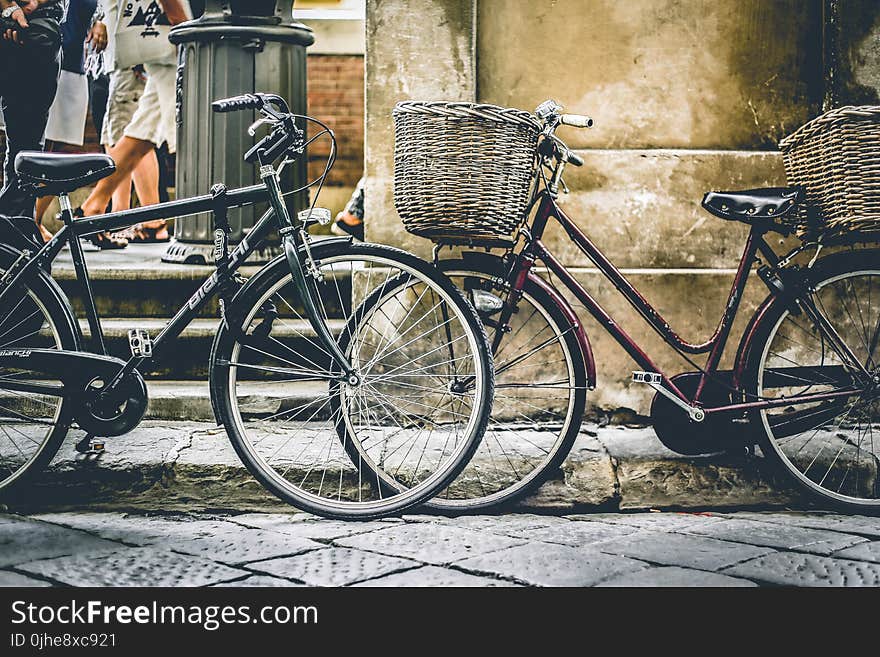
[32, 425]
[392, 440]
[540, 393]
[830, 447]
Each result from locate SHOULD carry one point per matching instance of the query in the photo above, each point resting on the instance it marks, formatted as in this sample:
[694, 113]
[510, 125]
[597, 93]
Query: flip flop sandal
[104, 241]
[108, 241]
[144, 235]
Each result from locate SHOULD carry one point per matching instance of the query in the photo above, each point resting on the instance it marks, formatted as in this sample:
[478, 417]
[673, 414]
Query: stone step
[134, 282]
[190, 466]
[191, 400]
[188, 356]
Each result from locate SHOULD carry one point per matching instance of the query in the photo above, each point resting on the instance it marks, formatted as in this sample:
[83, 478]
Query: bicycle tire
[251, 301]
[489, 268]
[826, 272]
[47, 298]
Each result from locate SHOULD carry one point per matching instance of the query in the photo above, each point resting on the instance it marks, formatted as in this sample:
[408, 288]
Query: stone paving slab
[240, 545]
[133, 529]
[794, 569]
[434, 576]
[632, 549]
[869, 551]
[435, 544]
[674, 576]
[146, 566]
[333, 566]
[17, 580]
[261, 581]
[301, 525]
[803, 539]
[868, 526]
[190, 466]
[682, 550]
[29, 540]
[544, 564]
[578, 533]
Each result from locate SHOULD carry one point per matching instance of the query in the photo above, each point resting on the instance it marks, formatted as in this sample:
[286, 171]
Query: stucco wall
[687, 96]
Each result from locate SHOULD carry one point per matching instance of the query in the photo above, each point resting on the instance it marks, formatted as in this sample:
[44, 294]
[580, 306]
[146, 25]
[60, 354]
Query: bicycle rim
[540, 391]
[831, 447]
[411, 434]
[28, 421]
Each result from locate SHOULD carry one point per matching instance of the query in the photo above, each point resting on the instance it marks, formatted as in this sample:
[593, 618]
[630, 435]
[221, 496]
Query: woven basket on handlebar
[836, 157]
[462, 171]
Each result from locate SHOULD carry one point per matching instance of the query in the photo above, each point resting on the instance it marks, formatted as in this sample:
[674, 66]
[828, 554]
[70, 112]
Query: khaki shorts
[143, 111]
[123, 95]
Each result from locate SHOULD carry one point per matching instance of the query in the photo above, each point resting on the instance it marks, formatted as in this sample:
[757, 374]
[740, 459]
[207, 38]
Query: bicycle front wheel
[397, 436]
[829, 445]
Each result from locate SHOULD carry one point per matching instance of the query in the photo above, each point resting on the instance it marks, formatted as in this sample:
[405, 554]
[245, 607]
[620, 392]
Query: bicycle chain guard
[676, 430]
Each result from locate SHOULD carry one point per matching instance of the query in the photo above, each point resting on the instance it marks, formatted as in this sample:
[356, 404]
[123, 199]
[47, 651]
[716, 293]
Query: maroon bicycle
[804, 388]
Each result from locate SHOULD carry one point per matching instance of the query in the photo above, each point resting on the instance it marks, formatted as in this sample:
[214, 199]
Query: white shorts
[148, 114]
[67, 116]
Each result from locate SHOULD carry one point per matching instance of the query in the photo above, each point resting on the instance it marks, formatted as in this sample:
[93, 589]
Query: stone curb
[188, 466]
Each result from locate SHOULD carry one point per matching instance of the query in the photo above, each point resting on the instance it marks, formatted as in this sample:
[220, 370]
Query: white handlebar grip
[576, 120]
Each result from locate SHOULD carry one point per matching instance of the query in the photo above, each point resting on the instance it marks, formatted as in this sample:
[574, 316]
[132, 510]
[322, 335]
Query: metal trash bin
[233, 48]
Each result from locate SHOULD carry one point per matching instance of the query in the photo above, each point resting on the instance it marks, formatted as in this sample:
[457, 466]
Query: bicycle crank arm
[73, 368]
[291, 251]
[83, 377]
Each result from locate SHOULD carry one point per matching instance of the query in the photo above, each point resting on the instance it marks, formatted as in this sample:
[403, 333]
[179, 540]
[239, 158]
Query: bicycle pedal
[321, 215]
[649, 378]
[140, 343]
[90, 445]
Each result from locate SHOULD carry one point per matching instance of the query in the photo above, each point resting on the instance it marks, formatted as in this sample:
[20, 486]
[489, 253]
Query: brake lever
[252, 130]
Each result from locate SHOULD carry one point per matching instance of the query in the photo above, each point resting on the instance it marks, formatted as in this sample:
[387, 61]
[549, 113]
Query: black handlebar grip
[237, 103]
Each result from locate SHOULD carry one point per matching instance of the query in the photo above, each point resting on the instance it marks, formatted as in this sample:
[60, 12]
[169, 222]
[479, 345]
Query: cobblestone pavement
[642, 549]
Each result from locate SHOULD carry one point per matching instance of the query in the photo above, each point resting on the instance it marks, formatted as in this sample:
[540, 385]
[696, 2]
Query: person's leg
[122, 196]
[99, 93]
[127, 154]
[154, 121]
[26, 101]
[146, 179]
[146, 183]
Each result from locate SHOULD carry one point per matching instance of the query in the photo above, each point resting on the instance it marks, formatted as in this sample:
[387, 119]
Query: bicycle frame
[218, 282]
[535, 249]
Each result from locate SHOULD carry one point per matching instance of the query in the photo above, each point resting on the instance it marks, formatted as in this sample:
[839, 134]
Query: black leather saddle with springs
[755, 205]
[51, 174]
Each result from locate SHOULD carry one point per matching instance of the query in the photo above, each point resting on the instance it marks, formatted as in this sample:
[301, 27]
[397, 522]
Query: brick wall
[336, 96]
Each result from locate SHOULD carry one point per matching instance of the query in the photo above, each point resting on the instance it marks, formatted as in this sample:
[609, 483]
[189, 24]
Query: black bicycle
[380, 375]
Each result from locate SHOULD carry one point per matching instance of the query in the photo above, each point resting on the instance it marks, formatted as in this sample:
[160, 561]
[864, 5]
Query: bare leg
[146, 182]
[43, 204]
[122, 195]
[127, 153]
[146, 179]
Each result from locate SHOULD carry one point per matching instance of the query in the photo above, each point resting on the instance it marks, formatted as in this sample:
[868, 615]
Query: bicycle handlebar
[250, 102]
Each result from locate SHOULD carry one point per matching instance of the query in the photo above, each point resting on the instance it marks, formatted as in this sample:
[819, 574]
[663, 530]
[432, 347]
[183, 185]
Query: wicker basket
[836, 157]
[462, 171]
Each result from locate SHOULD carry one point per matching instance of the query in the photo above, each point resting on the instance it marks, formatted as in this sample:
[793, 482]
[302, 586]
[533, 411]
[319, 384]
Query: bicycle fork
[305, 287]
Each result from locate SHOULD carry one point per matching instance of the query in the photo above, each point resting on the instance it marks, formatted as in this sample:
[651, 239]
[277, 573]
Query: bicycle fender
[572, 318]
[569, 313]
